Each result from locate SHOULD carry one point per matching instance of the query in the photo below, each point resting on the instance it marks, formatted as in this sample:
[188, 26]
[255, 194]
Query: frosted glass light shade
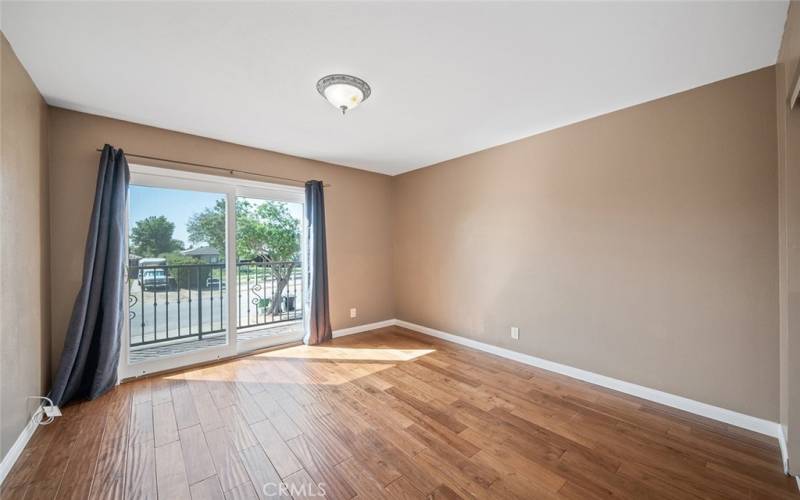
[344, 92]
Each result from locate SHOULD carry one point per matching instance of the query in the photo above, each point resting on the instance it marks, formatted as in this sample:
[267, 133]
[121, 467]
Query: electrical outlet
[353, 312]
[515, 333]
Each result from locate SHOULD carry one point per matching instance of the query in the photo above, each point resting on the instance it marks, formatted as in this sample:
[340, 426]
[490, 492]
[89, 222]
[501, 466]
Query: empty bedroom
[402, 250]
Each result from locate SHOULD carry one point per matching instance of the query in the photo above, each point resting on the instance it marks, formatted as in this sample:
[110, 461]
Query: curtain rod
[230, 171]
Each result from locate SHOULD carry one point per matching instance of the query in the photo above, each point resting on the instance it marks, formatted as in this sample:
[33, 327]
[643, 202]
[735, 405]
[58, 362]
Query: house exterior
[207, 254]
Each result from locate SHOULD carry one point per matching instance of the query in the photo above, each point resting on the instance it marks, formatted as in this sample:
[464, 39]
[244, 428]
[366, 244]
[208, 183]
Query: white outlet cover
[353, 312]
[515, 333]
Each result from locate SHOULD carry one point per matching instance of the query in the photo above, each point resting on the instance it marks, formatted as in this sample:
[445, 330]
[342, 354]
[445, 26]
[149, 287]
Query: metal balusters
[141, 315]
[155, 315]
[267, 294]
[178, 290]
[298, 276]
[285, 302]
[258, 300]
[261, 285]
[275, 280]
[166, 304]
[199, 307]
[291, 298]
[294, 285]
[248, 295]
[273, 288]
[189, 293]
[259, 279]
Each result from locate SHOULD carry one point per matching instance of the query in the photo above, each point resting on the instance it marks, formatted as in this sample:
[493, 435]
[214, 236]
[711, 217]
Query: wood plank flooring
[387, 414]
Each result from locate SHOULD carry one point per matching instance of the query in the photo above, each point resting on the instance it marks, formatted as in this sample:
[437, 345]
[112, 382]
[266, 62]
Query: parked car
[154, 277]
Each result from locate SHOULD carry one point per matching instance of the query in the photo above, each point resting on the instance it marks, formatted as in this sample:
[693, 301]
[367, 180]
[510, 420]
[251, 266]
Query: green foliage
[178, 259]
[267, 230]
[209, 226]
[152, 236]
[189, 277]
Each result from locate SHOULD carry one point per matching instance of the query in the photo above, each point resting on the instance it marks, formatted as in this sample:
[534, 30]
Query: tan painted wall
[357, 210]
[789, 194]
[24, 319]
[640, 245]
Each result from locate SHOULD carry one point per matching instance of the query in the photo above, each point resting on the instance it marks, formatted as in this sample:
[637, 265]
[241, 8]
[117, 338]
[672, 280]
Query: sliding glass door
[269, 272]
[214, 268]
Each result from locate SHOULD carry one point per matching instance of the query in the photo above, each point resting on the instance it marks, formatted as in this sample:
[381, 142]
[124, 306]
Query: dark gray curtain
[318, 324]
[89, 361]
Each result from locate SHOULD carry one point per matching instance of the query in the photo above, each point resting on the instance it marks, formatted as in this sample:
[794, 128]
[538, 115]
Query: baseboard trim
[16, 450]
[363, 328]
[785, 455]
[784, 450]
[749, 422]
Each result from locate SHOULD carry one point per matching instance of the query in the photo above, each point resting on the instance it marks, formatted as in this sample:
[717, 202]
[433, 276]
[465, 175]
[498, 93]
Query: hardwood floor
[387, 414]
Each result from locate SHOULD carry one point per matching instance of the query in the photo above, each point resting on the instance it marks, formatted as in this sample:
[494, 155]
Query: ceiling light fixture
[345, 92]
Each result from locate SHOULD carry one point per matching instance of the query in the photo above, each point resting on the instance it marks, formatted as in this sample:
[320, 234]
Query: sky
[177, 205]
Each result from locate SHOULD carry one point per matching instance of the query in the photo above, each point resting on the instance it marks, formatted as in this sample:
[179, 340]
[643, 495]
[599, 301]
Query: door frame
[232, 188]
[289, 194]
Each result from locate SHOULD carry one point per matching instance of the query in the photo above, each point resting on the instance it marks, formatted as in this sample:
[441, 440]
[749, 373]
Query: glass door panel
[177, 274]
[269, 271]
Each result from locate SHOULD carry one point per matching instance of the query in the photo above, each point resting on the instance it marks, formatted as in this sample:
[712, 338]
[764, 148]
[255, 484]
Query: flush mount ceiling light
[343, 91]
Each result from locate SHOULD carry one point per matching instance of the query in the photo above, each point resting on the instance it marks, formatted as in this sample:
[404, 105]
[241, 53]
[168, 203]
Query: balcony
[177, 308]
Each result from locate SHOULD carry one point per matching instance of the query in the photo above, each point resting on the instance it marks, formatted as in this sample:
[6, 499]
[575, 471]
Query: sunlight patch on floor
[306, 365]
[346, 353]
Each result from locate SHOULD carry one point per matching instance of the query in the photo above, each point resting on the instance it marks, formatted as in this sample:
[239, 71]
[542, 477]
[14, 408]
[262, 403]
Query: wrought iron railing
[174, 302]
[269, 292]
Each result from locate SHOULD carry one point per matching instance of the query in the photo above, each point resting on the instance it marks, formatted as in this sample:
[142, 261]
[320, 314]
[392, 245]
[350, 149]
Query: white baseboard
[731, 417]
[784, 450]
[785, 455]
[13, 454]
[363, 328]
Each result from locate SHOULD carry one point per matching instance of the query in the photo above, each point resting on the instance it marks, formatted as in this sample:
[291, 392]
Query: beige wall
[640, 245]
[789, 215]
[357, 210]
[24, 320]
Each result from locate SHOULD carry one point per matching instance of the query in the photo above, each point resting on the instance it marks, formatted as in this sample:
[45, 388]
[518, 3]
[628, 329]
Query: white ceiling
[447, 78]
